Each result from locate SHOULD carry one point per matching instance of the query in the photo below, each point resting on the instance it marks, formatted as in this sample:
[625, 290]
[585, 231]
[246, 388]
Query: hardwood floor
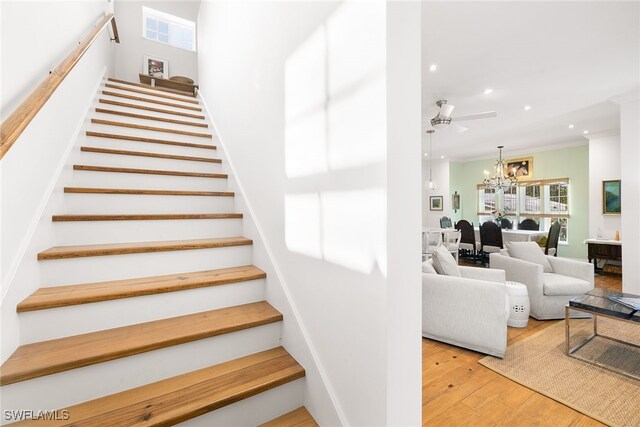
[458, 391]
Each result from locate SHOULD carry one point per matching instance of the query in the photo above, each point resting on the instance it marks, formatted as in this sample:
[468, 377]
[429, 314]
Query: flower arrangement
[499, 215]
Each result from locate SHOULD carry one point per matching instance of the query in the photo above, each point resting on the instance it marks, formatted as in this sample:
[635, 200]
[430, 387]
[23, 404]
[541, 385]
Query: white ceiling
[564, 59]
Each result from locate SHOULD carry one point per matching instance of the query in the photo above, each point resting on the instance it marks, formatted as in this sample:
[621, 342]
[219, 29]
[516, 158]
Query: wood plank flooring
[458, 391]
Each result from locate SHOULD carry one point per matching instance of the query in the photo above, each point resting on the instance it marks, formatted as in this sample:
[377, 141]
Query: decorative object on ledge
[500, 181]
[430, 185]
[455, 202]
[155, 67]
[519, 168]
[611, 198]
[181, 79]
[436, 203]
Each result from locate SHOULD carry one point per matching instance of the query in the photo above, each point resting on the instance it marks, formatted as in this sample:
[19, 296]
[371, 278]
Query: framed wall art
[155, 67]
[611, 197]
[436, 203]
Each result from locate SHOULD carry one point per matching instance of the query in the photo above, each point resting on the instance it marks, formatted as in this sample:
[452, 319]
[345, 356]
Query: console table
[603, 249]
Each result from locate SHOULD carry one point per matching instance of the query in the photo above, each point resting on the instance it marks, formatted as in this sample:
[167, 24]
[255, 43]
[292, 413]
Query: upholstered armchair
[469, 311]
[550, 291]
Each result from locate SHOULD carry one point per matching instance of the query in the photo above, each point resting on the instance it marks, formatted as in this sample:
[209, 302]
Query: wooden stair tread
[62, 296]
[147, 108]
[147, 154]
[150, 128]
[62, 354]
[161, 89]
[91, 168]
[150, 140]
[149, 100]
[60, 252]
[134, 191]
[146, 92]
[177, 399]
[297, 418]
[156, 118]
[143, 217]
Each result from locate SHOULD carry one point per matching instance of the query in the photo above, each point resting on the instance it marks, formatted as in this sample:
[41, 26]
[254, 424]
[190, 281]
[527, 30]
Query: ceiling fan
[444, 119]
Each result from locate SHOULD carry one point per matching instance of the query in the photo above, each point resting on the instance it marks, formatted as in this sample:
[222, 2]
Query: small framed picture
[520, 168]
[436, 202]
[155, 67]
[611, 200]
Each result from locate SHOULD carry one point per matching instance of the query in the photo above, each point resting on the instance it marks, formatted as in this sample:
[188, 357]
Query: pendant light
[430, 185]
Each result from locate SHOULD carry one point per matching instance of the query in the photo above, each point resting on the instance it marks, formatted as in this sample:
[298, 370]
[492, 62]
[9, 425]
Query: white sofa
[549, 292]
[469, 311]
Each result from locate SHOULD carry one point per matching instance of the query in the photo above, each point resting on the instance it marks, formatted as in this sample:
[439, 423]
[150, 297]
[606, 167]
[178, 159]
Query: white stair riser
[115, 267]
[149, 133]
[91, 232]
[152, 123]
[82, 178]
[90, 382]
[42, 325]
[255, 410]
[136, 110]
[81, 203]
[121, 144]
[142, 162]
[182, 100]
[151, 104]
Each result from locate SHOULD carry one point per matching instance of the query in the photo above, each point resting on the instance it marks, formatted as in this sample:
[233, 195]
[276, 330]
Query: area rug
[539, 363]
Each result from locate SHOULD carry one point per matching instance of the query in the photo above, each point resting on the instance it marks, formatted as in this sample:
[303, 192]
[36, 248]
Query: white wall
[32, 166]
[133, 46]
[305, 122]
[36, 37]
[440, 175]
[604, 165]
[630, 175]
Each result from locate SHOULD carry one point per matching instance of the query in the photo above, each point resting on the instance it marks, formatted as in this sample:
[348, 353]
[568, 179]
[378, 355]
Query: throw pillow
[445, 263]
[427, 267]
[529, 251]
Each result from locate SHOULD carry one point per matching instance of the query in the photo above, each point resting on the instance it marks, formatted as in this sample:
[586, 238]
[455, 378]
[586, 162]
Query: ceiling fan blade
[485, 115]
[459, 128]
[446, 110]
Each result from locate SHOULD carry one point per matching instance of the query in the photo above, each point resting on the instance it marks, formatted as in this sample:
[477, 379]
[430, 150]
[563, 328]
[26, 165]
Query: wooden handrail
[18, 121]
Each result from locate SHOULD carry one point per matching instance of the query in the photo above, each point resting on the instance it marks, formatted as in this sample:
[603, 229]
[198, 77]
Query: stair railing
[17, 122]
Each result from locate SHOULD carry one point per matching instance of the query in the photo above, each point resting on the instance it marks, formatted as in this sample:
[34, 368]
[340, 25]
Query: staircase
[150, 311]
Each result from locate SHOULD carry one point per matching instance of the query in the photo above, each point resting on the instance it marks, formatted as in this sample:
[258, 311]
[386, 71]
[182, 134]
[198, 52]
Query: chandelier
[500, 181]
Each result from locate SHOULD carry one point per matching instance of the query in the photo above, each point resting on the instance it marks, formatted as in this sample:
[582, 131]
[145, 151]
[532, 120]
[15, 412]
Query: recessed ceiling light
[585, 132]
[433, 67]
[442, 157]
[527, 107]
[426, 154]
[487, 91]
[571, 126]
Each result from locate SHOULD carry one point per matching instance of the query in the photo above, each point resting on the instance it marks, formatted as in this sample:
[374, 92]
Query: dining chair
[468, 238]
[490, 239]
[551, 248]
[506, 224]
[529, 224]
[445, 222]
[430, 242]
[452, 242]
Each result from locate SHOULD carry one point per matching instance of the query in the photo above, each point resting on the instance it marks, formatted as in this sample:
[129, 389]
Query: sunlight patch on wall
[335, 140]
[347, 228]
[335, 93]
[302, 224]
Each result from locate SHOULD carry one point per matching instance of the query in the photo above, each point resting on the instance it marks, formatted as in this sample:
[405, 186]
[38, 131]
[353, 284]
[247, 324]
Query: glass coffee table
[597, 303]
